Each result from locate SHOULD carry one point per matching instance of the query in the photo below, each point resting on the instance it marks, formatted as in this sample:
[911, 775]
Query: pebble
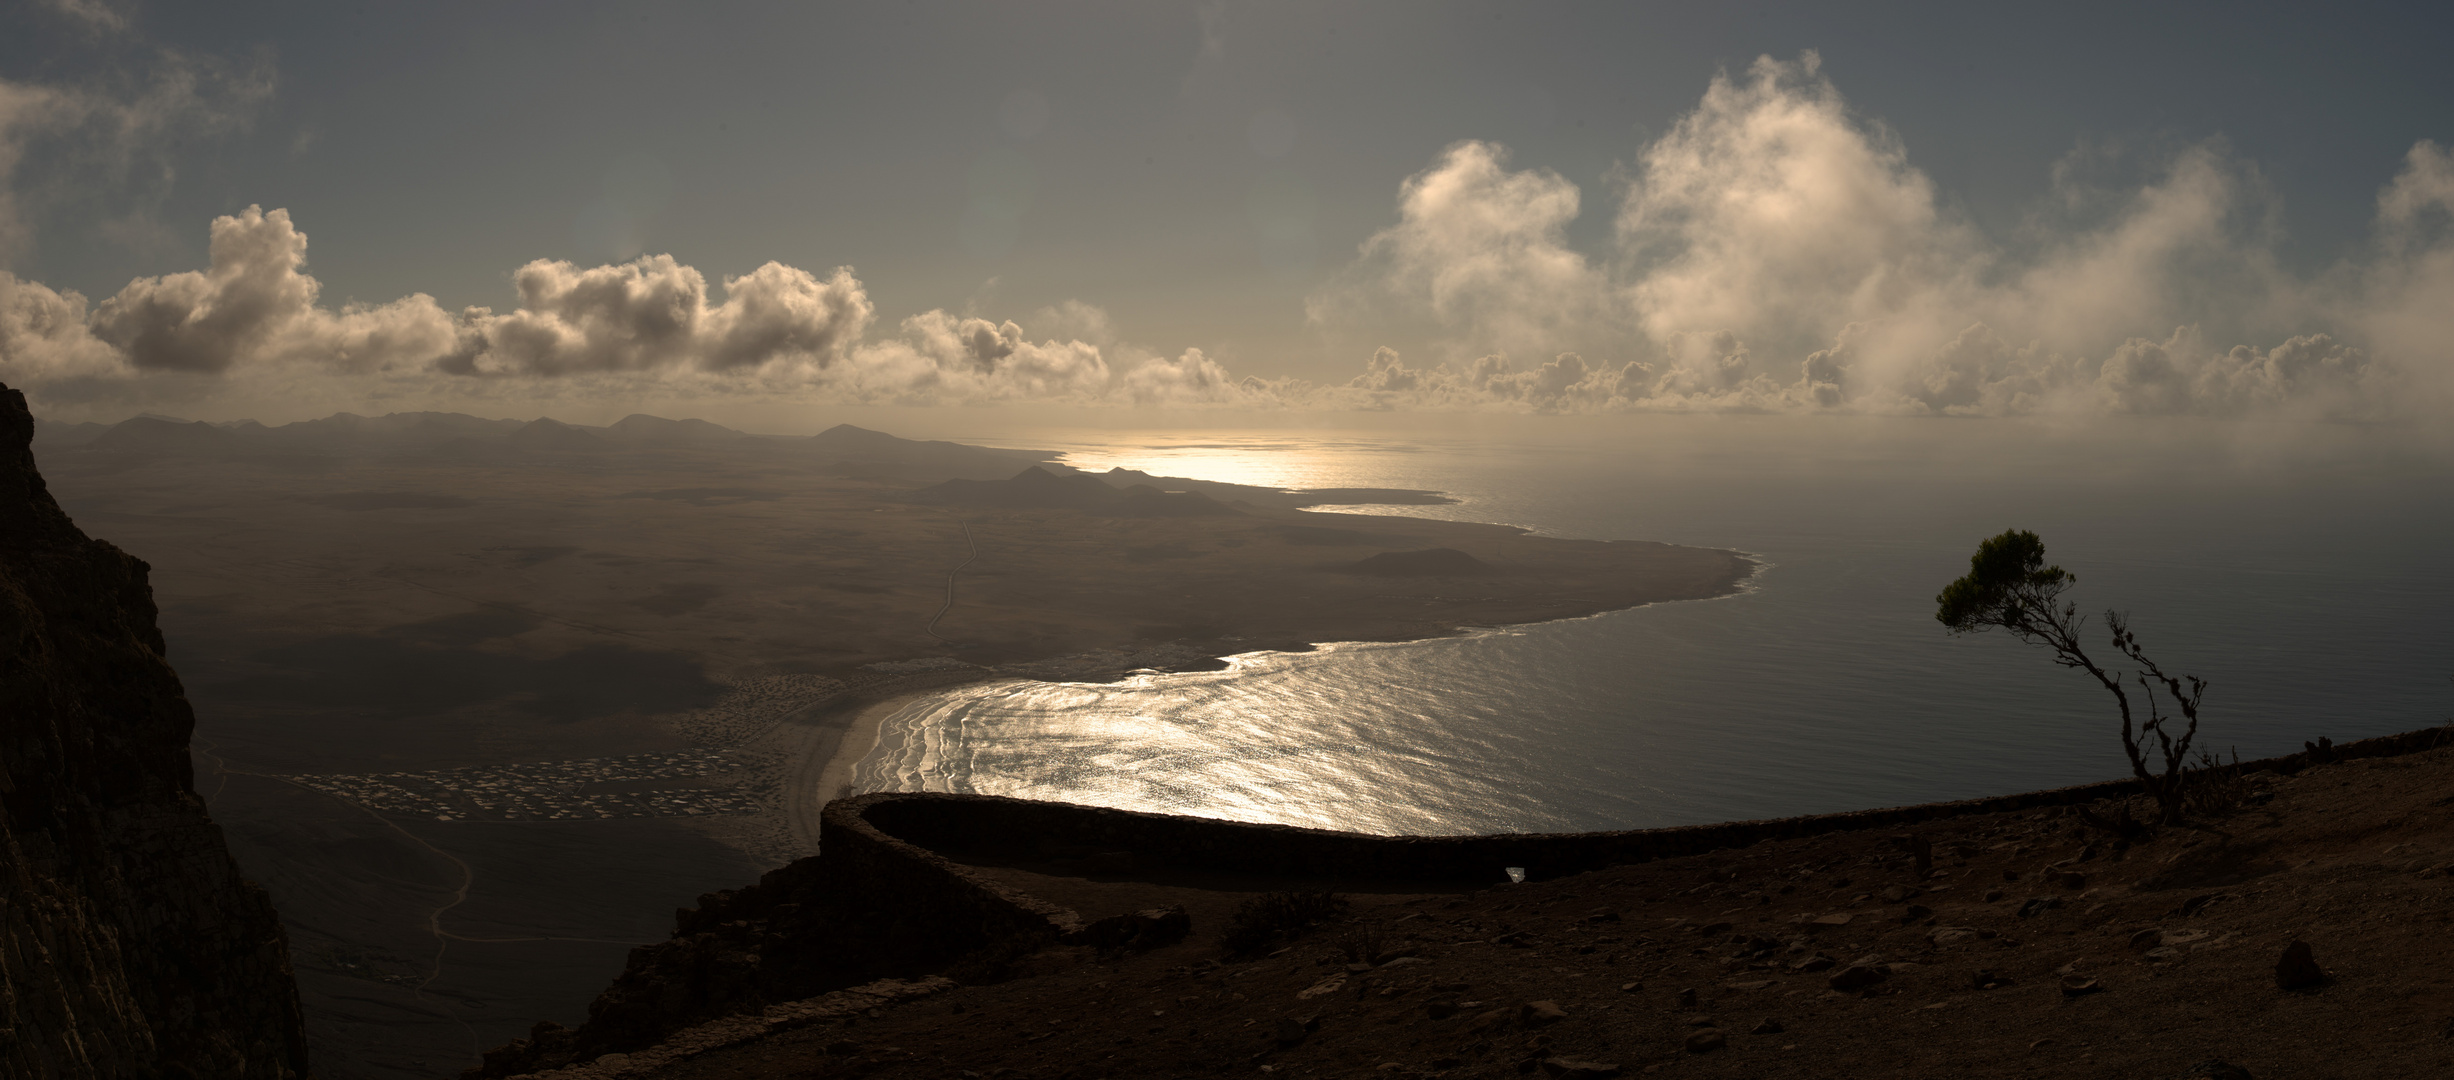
[1706, 1041]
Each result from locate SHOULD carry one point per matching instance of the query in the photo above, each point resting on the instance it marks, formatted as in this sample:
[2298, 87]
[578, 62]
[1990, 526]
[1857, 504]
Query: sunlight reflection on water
[2310, 592]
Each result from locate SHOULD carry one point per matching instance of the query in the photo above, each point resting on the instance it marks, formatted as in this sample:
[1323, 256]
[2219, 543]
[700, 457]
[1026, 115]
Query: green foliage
[1266, 920]
[2007, 585]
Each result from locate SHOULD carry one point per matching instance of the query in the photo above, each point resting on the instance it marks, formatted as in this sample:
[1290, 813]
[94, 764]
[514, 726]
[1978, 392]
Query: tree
[2009, 587]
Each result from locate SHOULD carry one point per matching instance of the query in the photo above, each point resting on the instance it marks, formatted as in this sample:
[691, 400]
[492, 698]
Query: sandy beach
[835, 736]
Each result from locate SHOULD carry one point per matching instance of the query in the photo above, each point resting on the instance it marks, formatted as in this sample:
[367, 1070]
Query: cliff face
[129, 945]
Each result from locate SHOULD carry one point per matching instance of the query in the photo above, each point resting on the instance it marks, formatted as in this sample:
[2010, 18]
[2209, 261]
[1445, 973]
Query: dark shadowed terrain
[481, 702]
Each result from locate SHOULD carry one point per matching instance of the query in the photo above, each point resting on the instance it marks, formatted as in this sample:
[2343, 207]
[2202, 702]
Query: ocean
[2302, 570]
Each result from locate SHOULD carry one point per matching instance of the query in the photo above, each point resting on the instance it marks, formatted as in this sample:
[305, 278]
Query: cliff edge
[129, 945]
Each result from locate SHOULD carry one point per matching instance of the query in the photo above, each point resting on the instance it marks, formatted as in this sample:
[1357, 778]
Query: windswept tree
[2009, 587]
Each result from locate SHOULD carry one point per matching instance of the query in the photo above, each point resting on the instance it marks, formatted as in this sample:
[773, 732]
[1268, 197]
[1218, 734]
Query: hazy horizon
[1771, 226]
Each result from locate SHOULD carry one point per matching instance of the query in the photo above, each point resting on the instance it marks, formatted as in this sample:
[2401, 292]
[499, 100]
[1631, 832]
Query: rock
[1817, 962]
[1835, 919]
[2145, 940]
[129, 943]
[2079, 986]
[2074, 881]
[1485, 1021]
[2297, 968]
[2214, 1069]
[1991, 896]
[1402, 961]
[1323, 988]
[1630, 987]
[1750, 984]
[1138, 931]
[1713, 929]
[1988, 979]
[1290, 1032]
[1572, 1067]
[1540, 1013]
[2037, 906]
[1706, 1041]
[1687, 999]
[1952, 935]
[1894, 894]
[1768, 1027]
[1916, 913]
[1856, 977]
[1602, 915]
[1440, 1010]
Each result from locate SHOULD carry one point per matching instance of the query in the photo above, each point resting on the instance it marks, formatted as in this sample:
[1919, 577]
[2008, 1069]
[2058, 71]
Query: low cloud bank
[1775, 252]
[1772, 252]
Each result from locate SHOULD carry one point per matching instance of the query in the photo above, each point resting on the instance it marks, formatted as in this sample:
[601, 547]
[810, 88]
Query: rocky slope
[2295, 929]
[129, 945]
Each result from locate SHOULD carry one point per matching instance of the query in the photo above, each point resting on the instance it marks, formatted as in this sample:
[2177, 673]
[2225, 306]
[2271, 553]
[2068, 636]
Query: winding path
[931, 629]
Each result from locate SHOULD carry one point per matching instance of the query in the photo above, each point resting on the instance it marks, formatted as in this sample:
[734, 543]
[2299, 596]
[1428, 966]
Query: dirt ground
[2034, 945]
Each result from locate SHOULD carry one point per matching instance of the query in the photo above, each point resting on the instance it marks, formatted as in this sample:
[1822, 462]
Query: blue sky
[1204, 176]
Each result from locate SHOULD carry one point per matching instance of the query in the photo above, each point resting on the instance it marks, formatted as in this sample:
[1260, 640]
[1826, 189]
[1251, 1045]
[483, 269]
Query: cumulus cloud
[255, 313]
[1773, 250]
[1482, 251]
[1191, 379]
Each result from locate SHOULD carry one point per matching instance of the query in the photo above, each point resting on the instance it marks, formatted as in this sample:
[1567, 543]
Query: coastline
[833, 736]
[856, 741]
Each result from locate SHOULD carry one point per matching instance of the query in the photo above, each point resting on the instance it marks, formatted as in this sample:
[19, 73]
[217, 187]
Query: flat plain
[481, 702]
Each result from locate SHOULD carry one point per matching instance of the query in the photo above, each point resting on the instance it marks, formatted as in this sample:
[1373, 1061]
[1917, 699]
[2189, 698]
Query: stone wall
[129, 945]
[883, 902]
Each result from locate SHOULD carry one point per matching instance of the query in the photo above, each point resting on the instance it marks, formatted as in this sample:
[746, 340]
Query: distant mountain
[548, 434]
[1036, 488]
[860, 452]
[145, 434]
[640, 429]
[51, 434]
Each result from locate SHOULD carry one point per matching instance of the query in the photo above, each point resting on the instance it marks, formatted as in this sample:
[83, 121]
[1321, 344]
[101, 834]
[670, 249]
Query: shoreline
[856, 741]
[835, 735]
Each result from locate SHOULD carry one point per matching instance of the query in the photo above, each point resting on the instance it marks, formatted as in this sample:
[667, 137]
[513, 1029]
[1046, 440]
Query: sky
[279, 210]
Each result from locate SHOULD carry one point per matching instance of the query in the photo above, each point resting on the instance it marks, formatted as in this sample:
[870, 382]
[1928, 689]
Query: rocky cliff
[129, 945]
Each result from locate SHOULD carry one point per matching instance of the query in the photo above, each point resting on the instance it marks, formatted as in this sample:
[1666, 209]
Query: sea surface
[2304, 571]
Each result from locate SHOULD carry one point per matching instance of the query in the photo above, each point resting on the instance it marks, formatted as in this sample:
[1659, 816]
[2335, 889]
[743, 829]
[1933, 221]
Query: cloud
[97, 16]
[1482, 251]
[1191, 379]
[648, 324]
[63, 143]
[1774, 250]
